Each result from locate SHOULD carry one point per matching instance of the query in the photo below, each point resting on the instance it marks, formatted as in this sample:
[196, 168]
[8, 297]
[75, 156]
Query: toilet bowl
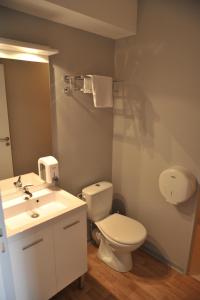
[120, 235]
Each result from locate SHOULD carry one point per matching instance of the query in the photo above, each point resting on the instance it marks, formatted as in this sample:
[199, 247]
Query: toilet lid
[122, 229]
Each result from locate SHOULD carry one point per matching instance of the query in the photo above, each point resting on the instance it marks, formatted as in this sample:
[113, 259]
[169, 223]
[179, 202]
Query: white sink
[46, 204]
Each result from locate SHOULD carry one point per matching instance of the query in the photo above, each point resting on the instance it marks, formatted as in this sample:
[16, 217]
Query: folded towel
[102, 91]
[87, 85]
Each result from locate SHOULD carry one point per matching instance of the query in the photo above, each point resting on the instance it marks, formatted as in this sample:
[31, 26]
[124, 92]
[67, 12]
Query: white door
[6, 166]
[6, 280]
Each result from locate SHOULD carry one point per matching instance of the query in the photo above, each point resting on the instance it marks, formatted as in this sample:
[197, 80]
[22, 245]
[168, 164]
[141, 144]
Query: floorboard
[149, 280]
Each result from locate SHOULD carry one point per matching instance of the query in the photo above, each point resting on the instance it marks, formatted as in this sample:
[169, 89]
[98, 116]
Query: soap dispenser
[48, 169]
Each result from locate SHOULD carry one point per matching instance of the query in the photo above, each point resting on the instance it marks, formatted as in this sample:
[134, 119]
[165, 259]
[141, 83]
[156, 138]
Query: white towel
[87, 85]
[102, 91]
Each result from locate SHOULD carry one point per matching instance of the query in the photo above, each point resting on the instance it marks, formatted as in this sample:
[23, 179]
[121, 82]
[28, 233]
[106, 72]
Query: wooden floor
[149, 280]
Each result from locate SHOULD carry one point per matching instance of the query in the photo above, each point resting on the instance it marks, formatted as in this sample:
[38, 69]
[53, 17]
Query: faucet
[26, 190]
[18, 183]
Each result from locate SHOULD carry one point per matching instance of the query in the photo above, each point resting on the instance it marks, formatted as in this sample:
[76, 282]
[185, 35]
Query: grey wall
[82, 135]
[157, 120]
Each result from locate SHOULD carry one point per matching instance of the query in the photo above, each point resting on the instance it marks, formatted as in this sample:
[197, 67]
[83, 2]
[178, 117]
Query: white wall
[156, 120]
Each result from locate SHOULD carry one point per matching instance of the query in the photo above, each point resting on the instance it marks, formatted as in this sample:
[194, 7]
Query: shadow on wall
[186, 209]
[119, 205]
[151, 247]
[160, 74]
[131, 109]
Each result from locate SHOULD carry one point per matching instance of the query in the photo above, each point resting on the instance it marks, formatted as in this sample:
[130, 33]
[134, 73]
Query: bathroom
[153, 126]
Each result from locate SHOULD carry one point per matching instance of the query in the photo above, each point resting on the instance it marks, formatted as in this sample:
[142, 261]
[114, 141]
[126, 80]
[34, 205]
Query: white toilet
[120, 235]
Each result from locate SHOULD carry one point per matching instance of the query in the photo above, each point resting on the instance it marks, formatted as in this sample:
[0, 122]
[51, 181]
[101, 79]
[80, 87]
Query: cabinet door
[70, 240]
[32, 261]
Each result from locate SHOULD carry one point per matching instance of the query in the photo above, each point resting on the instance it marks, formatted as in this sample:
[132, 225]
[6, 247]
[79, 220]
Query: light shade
[12, 49]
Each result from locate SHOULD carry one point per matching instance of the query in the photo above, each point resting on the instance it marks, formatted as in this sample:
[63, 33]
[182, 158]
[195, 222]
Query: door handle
[70, 225]
[6, 139]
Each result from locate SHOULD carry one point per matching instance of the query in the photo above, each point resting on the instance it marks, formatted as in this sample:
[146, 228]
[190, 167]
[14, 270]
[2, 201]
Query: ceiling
[101, 17]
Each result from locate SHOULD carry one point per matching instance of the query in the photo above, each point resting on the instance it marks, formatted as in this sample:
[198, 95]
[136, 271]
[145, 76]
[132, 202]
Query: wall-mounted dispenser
[177, 184]
[48, 169]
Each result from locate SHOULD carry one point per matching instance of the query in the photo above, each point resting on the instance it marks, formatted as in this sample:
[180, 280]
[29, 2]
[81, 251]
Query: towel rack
[71, 82]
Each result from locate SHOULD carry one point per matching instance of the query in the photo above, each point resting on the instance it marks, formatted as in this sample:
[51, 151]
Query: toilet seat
[122, 229]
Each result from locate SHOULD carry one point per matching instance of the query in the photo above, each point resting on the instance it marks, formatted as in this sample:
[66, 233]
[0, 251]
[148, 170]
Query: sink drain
[35, 215]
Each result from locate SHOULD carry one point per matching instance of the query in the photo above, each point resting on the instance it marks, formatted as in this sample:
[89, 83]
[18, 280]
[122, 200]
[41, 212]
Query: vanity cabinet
[70, 249]
[47, 260]
[32, 261]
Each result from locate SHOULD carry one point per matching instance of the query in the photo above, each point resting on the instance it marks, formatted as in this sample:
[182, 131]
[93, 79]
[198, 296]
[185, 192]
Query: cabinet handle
[70, 225]
[32, 244]
[6, 139]
[2, 247]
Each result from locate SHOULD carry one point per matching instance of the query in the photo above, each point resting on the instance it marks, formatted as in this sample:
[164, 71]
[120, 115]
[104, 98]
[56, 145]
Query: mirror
[25, 117]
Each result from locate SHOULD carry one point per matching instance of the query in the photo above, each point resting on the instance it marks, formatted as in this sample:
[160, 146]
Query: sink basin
[50, 208]
[46, 204]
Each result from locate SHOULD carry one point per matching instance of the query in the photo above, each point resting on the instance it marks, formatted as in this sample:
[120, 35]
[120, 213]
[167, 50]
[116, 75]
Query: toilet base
[119, 261]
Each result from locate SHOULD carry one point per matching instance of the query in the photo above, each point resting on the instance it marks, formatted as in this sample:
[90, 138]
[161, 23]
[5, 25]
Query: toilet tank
[98, 197]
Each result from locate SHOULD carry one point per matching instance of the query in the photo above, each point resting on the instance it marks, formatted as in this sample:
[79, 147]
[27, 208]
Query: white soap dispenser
[48, 169]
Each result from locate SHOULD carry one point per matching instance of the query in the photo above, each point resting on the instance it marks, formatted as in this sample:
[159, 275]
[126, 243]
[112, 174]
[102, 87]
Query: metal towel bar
[71, 82]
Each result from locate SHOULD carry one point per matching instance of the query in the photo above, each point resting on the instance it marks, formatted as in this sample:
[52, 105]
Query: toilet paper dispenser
[177, 184]
[48, 169]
